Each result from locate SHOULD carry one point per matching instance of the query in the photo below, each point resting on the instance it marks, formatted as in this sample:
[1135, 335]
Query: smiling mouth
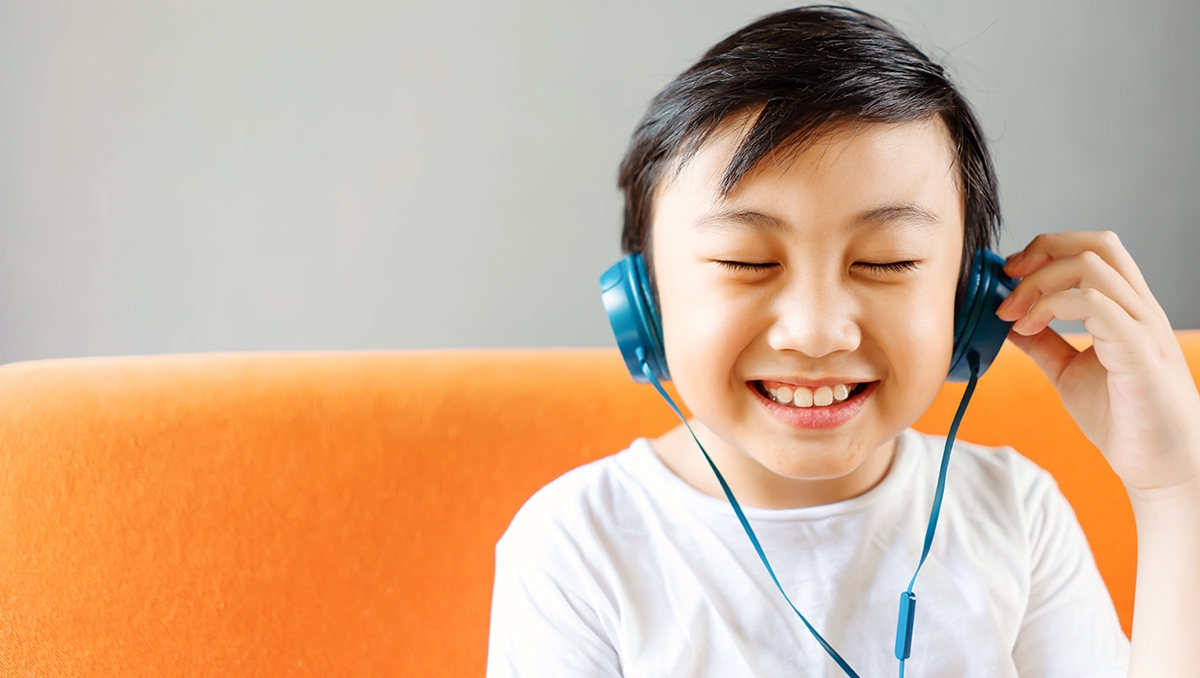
[801, 397]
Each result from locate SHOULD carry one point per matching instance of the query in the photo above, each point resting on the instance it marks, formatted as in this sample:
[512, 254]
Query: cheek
[705, 332]
[917, 335]
[924, 336]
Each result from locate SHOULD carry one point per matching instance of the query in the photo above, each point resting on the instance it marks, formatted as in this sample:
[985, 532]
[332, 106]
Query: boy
[807, 198]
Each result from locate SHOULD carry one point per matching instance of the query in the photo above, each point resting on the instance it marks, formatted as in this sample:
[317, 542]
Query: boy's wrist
[1181, 500]
[1176, 476]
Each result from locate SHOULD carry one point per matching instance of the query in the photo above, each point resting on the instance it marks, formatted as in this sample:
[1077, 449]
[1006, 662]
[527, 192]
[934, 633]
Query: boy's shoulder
[579, 501]
[997, 484]
[986, 469]
[989, 459]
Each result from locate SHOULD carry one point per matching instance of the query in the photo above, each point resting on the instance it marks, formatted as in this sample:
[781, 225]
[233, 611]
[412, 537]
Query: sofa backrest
[336, 513]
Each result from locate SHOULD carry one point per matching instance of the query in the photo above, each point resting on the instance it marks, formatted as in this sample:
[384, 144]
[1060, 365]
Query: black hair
[807, 69]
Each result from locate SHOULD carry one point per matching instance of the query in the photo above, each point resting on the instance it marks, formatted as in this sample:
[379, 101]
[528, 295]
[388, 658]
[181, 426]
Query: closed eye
[889, 267]
[745, 265]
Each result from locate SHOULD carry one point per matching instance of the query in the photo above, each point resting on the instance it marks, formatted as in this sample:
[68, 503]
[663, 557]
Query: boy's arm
[1166, 608]
[1133, 396]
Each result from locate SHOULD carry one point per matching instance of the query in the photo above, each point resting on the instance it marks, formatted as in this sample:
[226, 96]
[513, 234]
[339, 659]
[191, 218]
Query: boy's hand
[1131, 392]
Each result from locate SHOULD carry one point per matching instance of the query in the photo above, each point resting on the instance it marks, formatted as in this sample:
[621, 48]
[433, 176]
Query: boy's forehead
[847, 165]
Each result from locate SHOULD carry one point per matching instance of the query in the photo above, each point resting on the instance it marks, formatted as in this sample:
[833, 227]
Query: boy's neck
[755, 485]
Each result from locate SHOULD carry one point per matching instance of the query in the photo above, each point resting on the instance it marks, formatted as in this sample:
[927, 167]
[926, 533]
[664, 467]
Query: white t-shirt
[620, 568]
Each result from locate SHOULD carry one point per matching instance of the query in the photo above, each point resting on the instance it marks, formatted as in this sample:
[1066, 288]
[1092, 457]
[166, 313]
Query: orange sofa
[335, 514]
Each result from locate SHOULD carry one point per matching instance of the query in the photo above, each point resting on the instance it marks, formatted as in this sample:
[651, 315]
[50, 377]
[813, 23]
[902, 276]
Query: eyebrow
[723, 220]
[906, 212]
[898, 213]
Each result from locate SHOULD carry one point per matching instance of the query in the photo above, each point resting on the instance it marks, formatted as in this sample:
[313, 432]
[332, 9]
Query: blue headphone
[978, 336]
[625, 291]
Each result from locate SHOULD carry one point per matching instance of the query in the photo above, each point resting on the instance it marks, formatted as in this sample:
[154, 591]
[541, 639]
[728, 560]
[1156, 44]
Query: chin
[812, 461]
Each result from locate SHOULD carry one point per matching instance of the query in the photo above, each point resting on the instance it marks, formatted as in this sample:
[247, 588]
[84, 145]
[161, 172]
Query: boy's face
[782, 286]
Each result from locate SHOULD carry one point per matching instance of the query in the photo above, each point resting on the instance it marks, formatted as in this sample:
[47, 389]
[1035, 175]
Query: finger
[1084, 270]
[1048, 349]
[1052, 246]
[1103, 318]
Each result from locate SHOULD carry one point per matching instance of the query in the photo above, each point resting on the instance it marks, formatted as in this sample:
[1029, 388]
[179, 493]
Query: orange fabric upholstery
[335, 514]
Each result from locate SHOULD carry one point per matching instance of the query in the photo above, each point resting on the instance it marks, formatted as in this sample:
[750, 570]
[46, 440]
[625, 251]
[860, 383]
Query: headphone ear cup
[629, 303]
[976, 328]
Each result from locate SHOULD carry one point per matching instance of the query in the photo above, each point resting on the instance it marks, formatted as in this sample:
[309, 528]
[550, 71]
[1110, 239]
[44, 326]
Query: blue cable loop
[904, 626]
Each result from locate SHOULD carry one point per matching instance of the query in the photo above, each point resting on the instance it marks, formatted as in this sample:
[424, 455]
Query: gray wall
[324, 175]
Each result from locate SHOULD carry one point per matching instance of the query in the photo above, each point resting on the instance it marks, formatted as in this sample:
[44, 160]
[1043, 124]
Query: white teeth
[823, 396]
[803, 397]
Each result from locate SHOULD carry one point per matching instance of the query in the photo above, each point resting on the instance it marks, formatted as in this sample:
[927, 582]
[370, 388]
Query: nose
[816, 317]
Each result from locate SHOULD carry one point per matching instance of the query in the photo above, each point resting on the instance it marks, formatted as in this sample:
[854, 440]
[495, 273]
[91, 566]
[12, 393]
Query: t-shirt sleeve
[542, 623]
[1070, 628]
